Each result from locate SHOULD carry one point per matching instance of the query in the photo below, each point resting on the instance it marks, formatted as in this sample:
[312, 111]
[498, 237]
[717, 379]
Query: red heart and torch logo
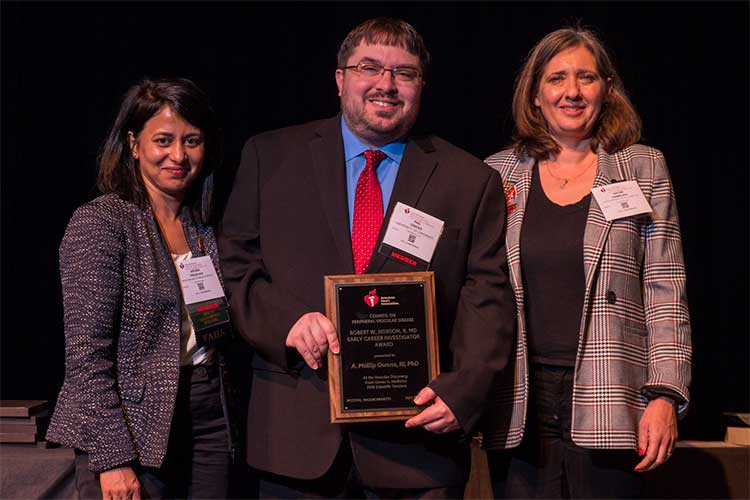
[372, 299]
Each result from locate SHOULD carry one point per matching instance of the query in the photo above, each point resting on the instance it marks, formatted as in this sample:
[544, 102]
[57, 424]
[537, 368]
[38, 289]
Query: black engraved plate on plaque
[385, 355]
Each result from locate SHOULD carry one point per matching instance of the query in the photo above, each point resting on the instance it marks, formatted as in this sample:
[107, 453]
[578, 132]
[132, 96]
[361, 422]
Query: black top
[553, 275]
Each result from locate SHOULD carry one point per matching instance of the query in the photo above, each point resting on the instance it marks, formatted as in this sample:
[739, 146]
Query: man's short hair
[385, 31]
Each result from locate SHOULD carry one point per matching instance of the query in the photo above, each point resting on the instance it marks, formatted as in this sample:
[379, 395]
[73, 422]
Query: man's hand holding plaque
[437, 418]
[313, 335]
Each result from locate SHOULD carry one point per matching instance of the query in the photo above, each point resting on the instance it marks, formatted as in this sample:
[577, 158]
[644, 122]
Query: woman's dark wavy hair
[118, 170]
[618, 125]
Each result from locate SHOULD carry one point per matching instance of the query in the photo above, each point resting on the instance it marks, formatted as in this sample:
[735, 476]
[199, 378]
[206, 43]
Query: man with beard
[315, 200]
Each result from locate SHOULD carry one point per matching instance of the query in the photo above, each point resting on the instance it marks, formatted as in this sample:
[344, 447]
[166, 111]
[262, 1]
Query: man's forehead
[380, 51]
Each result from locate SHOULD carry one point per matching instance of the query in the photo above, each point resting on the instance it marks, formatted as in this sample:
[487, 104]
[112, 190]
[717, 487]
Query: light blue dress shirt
[354, 156]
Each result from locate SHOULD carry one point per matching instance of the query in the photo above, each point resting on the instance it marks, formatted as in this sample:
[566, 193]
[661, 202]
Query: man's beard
[379, 131]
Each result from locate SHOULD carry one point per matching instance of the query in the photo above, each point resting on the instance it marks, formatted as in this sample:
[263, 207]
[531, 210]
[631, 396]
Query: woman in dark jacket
[143, 399]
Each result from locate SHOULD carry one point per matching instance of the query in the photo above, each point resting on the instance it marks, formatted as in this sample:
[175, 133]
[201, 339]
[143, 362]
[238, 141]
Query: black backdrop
[266, 65]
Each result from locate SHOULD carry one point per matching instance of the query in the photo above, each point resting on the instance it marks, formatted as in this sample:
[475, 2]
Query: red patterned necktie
[368, 211]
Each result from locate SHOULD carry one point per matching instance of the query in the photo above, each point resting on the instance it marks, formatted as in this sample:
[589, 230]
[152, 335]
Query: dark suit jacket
[286, 226]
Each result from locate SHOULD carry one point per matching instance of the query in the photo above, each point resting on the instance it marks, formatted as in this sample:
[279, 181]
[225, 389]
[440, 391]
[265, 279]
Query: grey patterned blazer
[121, 298]
[635, 328]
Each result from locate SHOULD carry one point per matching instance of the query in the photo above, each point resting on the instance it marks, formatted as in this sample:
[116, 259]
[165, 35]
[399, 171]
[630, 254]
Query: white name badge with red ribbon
[205, 300]
[411, 236]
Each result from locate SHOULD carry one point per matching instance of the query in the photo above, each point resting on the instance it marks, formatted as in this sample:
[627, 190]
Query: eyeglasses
[374, 70]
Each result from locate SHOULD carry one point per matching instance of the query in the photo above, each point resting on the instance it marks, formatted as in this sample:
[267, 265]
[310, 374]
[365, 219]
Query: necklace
[564, 181]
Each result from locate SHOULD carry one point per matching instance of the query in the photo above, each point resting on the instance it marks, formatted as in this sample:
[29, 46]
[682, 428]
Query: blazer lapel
[520, 181]
[597, 227]
[329, 170]
[415, 170]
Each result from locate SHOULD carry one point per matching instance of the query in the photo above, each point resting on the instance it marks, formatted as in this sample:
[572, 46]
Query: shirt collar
[353, 147]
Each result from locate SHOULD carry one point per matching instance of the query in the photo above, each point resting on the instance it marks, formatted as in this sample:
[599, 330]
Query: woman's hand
[657, 433]
[120, 484]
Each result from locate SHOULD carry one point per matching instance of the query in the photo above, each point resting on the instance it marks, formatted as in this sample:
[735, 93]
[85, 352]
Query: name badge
[205, 301]
[621, 199]
[411, 236]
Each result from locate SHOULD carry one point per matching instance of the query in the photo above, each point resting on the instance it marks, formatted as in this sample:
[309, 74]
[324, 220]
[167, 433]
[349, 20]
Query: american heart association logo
[371, 299]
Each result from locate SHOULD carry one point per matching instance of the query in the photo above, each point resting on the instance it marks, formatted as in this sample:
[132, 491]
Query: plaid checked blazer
[635, 327]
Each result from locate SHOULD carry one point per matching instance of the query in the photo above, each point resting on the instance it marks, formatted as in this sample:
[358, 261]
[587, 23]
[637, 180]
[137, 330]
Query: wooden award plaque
[389, 350]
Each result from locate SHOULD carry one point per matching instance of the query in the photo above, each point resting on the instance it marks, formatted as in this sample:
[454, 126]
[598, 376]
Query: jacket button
[611, 297]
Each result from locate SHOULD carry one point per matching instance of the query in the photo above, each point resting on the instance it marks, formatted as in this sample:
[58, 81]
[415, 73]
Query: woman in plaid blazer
[602, 364]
